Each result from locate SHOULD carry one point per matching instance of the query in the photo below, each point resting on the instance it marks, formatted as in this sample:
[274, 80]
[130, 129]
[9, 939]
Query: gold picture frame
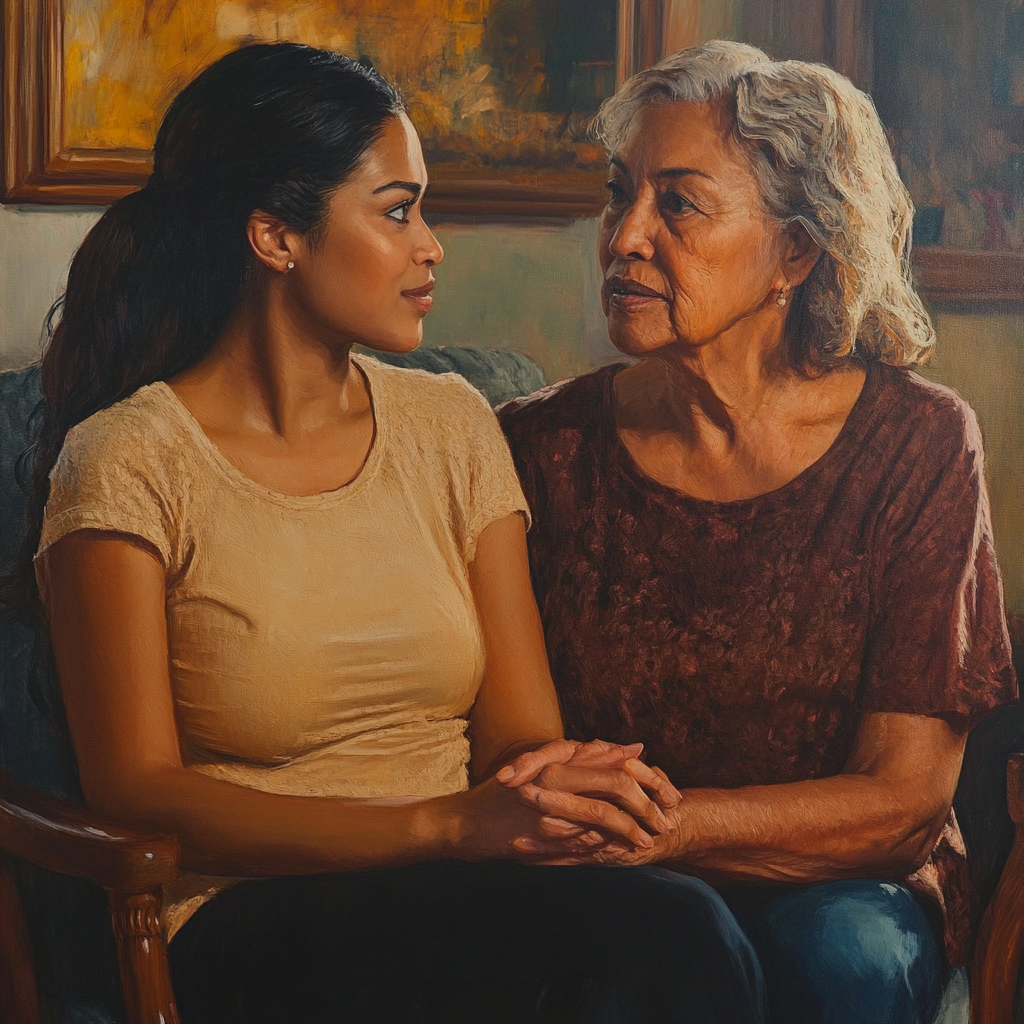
[46, 160]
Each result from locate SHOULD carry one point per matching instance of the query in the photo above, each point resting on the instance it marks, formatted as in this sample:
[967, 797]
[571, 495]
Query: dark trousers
[451, 942]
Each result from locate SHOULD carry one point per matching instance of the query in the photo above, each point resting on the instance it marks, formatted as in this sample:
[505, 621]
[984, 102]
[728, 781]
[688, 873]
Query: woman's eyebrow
[667, 172]
[682, 172]
[409, 186]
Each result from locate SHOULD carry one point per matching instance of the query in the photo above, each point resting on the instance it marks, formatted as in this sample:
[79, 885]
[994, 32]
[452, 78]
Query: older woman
[763, 547]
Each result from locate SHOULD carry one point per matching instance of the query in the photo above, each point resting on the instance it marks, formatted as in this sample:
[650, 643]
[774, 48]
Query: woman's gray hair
[821, 159]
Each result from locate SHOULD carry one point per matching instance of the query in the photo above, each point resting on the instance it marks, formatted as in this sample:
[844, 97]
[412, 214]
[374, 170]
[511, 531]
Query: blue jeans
[853, 952]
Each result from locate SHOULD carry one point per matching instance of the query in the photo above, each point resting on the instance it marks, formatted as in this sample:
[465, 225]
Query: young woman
[289, 601]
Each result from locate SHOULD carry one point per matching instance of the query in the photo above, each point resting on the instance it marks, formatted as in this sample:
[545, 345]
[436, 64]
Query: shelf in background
[975, 278]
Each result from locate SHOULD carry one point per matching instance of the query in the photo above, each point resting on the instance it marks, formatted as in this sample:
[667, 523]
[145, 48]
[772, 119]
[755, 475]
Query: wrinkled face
[686, 248]
[368, 280]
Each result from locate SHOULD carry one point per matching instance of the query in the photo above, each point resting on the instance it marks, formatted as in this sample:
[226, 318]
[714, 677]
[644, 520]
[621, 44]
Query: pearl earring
[781, 300]
[291, 265]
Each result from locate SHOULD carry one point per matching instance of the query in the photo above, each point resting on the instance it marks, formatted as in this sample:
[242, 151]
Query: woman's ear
[273, 243]
[801, 253]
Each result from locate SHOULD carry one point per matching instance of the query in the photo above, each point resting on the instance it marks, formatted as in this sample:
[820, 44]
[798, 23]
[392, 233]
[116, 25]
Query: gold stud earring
[781, 300]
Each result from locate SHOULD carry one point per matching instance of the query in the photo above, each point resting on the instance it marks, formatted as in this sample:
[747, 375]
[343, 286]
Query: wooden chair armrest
[67, 837]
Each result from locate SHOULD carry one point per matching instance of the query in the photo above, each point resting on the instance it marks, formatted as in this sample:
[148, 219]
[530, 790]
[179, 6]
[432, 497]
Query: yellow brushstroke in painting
[125, 60]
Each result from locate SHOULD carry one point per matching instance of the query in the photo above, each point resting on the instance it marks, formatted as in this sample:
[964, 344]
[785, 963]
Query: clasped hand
[600, 804]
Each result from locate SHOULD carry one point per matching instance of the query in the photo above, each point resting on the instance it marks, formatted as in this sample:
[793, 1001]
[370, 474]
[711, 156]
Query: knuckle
[623, 822]
[530, 794]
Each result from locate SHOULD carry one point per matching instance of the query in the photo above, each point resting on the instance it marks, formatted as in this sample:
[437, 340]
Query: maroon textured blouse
[742, 641]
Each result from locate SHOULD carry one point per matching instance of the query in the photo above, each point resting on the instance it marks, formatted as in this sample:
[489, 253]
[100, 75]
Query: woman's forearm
[882, 815]
[813, 831]
[225, 828]
[229, 829]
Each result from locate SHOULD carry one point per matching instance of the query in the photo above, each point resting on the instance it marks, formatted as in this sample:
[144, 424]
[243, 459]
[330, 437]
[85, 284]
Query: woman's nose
[431, 251]
[631, 239]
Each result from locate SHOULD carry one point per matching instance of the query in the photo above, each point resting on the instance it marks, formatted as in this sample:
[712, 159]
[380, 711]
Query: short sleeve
[937, 641]
[108, 477]
[520, 447]
[486, 486]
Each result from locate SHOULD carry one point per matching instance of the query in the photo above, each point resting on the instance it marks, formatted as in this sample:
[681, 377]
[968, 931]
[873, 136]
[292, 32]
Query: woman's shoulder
[125, 468]
[575, 404]
[914, 405]
[422, 395]
[138, 428]
[437, 421]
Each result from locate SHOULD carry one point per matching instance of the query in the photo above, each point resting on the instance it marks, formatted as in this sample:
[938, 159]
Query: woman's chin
[396, 344]
[637, 343]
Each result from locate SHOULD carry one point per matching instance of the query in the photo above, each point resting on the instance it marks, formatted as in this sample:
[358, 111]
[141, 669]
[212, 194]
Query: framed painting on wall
[500, 90]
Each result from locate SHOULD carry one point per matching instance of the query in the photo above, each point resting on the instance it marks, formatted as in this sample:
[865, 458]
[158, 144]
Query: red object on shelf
[997, 204]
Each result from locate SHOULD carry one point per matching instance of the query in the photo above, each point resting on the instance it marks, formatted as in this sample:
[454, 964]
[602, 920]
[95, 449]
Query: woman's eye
[401, 212]
[616, 193]
[675, 203]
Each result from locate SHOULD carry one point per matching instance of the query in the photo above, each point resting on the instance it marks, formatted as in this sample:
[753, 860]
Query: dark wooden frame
[39, 168]
[1000, 942]
[953, 278]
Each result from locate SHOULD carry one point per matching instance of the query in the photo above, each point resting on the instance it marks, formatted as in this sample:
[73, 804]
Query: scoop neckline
[778, 495]
[378, 401]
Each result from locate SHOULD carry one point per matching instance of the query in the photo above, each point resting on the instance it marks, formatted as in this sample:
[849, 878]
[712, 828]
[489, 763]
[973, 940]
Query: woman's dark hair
[269, 127]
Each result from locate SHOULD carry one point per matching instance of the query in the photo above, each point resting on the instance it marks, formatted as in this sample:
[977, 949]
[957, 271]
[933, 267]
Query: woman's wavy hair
[821, 159]
[276, 128]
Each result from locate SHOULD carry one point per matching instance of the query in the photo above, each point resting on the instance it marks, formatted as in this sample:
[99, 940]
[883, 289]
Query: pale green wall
[36, 246]
[532, 288]
[529, 287]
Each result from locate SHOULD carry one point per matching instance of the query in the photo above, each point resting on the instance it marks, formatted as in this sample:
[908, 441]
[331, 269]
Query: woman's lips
[630, 296]
[420, 297]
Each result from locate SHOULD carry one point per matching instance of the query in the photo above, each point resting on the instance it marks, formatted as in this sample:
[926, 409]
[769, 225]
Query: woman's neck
[726, 422]
[717, 386]
[286, 411]
[271, 375]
